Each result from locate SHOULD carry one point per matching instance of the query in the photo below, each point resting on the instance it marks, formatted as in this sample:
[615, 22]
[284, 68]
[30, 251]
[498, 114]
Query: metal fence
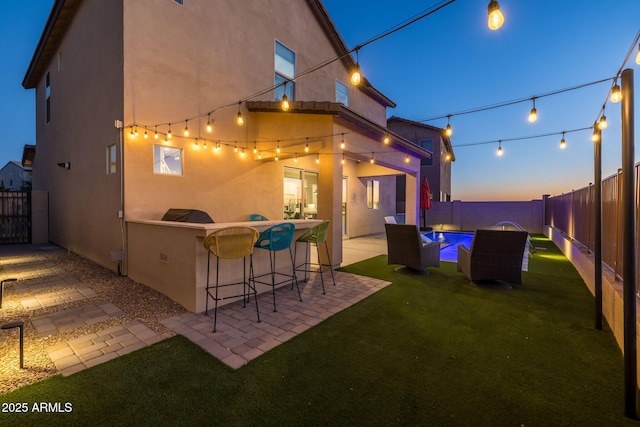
[573, 214]
[15, 217]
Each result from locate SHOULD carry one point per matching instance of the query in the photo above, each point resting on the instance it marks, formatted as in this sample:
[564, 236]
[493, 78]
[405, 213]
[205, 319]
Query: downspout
[123, 262]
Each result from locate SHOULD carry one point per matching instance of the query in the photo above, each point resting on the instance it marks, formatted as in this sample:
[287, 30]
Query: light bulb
[135, 132]
[595, 136]
[342, 161]
[132, 134]
[186, 131]
[499, 149]
[239, 119]
[448, 157]
[235, 147]
[306, 148]
[372, 160]
[356, 76]
[448, 131]
[255, 148]
[342, 143]
[285, 103]
[155, 133]
[616, 94]
[563, 143]
[602, 124]
[146, 135]
[407, 159]
[496, 18]
[278, 148]
[317, 158]
[533, 115]
[295, 159]
[169, 132]
[209, 124]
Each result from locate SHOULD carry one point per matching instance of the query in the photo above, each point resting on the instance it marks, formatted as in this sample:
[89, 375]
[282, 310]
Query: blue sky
[447, 63]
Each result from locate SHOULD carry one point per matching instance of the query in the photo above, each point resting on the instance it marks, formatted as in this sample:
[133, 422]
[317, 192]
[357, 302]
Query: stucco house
[15, 177]
[117, 84]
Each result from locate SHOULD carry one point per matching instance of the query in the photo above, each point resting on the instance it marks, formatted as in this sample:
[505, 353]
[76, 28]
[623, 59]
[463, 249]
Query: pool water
[449, 241]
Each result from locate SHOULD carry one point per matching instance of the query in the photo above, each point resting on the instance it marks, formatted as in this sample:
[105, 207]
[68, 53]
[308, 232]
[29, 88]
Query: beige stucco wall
[85, 74]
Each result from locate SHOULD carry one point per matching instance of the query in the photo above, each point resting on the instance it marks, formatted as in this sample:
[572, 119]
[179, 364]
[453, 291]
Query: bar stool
[257, 217]
[231, 243]
[274, 239]
[315, 235]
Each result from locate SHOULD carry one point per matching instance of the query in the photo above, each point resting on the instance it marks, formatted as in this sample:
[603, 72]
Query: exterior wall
[470, 216]
[85, 74]
[13, 177]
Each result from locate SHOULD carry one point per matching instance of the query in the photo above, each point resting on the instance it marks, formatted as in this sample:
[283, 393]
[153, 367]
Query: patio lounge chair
[494, 255]
[406, 247]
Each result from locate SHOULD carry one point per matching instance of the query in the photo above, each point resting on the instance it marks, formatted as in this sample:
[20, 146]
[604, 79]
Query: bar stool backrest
[231, 242]
[257, 217]
[277, 237]
[317, 234]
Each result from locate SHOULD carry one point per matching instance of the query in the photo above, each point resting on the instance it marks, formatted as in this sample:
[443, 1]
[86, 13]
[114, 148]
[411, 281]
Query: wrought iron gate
[15, 217]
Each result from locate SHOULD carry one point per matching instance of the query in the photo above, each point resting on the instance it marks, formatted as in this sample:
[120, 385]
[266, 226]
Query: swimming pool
[449, 241]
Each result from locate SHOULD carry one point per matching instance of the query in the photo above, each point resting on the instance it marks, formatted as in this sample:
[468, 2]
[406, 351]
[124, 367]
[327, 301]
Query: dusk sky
[448, 63]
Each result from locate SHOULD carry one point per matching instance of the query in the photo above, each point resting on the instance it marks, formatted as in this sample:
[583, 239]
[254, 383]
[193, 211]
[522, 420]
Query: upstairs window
[427, 144]
[111, 159]
[285, 70]
[373, 194]
[342, 93]
[47, 97]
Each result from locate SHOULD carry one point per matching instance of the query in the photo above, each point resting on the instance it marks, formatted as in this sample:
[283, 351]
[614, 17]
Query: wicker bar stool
[231, 243]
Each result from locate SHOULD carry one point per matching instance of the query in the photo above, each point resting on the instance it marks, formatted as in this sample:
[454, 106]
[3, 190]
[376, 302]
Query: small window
[285, 70]
[47, 96]
[373, 194]
[427, 144]
[111, 159]
[167, 160]
[179, 1]
[342, 93]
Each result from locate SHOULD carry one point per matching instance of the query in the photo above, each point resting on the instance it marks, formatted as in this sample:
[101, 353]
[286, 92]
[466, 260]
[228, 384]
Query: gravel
[137, 301]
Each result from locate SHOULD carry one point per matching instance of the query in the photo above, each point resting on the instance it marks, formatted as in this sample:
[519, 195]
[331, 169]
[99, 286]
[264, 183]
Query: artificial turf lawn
[427, 350]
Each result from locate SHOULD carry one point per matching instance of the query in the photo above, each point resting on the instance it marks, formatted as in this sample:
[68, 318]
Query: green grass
[427, 350]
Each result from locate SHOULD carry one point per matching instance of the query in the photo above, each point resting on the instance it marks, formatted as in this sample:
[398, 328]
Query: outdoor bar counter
[170, 258]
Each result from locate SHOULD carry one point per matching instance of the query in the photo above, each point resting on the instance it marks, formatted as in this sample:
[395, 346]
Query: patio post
[628, 247]
[597, 244]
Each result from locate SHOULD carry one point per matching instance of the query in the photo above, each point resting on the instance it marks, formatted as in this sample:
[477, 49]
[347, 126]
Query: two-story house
[15, 177]
[138, 106]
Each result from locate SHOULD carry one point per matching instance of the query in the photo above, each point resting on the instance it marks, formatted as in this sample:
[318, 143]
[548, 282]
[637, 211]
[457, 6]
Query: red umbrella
[425, 199]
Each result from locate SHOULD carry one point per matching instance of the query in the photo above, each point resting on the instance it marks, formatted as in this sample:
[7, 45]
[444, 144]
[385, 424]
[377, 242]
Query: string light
[342, 161]
[196, 144]
[186, 128]
[387, 139]
[218, 147]
[356, 75]
[278, 147]
[499, 148]
[616, 94]
[595, 136]
[242, 153]
[533, 114]
[407, 159]
[447, 157]
[372, 160]
[260, 154]
[155, 132]
[318, 158]
[496, 18]
[448, 131]
[169, 132]
[602, 124]
[295, 159]
[255, 148]
[306, 147]
[342, 143]
[132, 134]
[285, 101]
[563, 143]
[135, 131]
[146, 136]
[209, 124]
[205, 145]
[235, 147]
[239, 118]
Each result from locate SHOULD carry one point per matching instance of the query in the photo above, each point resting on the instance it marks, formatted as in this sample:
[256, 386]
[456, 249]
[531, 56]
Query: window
[427, 144]
[167, 160]
[285, 70]
[179, 1]
[373, 194]
[300, 194]
[111, 159]
[47, 96]
[342, 93]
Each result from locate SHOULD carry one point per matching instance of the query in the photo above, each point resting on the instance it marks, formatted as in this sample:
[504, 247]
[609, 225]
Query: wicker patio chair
[494, 255]
[406, 247]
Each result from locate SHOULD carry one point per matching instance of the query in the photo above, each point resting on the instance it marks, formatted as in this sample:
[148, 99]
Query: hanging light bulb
[356, 75]
[448, 131]
[205, 145]
[342, 143]
[616, 94]
[496, 18]
[186, 128]
[285, 103]
[306, 147]
[135, 131]
[146, 135]
[255, 148]
[169, 132]
[499, 148]
[276, 157]
[595, 136]
[235, 146]
[602, 124]
[533, 114]
[318, 158]
[638, 55]
[209, 124]
[295, 159]
[218, 147]
[563, 143]
[242, 153]
[166, 140]
[155, 132]
[386, 139]
[342, 161]
[372, 160]
[259, 154]
[239, 118]
[132, 134]
[448, 156]
[407, 159]
[278, 147]
[196, 144]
